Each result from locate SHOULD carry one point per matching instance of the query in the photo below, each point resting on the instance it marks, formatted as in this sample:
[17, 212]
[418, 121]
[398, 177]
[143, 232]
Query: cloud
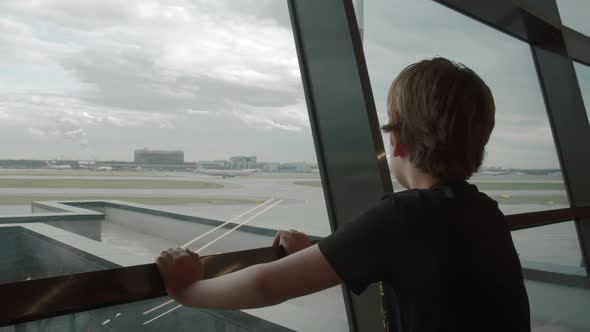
[140, 54]
[288, 118]
[197, 112]
[140, 67]
[393, 40]
[77, 135]
[66, 116]
[21, 45]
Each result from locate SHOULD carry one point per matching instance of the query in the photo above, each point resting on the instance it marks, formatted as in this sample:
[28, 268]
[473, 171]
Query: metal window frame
[352, 163]
[554, 47]
[537, 24]
[569, 123]
[345, 127]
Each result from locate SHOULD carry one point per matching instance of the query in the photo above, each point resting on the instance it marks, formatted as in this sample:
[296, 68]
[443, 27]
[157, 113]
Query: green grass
[84, 173]
[531, 199]
[308, 183]
[107, 183]
[26, 200]
[519, 185]
[483, 185]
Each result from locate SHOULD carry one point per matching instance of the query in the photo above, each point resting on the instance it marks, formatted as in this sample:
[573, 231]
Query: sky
[99, 79]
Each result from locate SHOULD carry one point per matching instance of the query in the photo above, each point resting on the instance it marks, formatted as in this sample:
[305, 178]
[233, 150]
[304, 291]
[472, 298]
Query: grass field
[560, 200]
[508, 186]
[519, 185]
[308, 183]
[107, 183]
[26, 200]
[483, 185]
[35, 172]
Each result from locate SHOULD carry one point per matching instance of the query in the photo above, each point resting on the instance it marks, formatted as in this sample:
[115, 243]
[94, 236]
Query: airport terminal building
[299, 80]
[158, 157]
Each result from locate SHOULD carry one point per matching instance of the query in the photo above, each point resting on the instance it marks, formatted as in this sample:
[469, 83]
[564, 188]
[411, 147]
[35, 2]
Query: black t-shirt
[446, 252]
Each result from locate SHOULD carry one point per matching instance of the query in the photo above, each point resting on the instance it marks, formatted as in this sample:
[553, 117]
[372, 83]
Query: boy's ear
[397, 149]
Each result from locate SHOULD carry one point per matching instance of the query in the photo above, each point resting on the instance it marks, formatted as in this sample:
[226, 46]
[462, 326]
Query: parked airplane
[91, 165]
[53, 165]
[87, 165]
[225, 173]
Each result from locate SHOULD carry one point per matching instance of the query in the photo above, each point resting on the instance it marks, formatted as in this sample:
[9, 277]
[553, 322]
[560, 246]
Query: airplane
[87, 165]
[53, 165]
[225, 173]
[91, 165]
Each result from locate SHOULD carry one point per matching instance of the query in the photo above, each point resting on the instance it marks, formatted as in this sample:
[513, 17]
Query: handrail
[540, 218]
[48, 297]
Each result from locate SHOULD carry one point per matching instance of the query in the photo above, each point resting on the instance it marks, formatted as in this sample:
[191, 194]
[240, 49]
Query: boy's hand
[292, 241]
[179, 269]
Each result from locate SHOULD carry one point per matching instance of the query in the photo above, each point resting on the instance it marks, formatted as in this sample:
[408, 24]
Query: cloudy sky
[98, 79]
[395, 38]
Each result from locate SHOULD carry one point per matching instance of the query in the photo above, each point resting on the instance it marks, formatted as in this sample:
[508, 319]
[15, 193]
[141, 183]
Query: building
[294, 168]
[242, 162]
[159, 157]
[270, 167]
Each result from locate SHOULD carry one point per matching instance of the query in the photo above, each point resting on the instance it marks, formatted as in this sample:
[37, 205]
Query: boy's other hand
[179, 269]
[291, 240]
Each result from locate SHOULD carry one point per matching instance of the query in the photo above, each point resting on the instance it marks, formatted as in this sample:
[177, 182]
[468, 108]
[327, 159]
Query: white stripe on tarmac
[165, 313]
[225, 223]
[218, 238]
[203, 248]
[158, 307]
[238, 226]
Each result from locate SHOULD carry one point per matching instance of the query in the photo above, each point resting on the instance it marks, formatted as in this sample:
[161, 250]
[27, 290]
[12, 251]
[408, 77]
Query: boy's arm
[298, 274]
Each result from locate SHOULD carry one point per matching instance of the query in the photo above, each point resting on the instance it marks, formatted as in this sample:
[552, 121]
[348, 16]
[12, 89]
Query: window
[521, 169]
[159, 121]
[572, 13]
[583, 74]
[553, 247]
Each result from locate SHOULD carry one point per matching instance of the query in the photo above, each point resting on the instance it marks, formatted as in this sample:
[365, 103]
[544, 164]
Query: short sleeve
[362, 251]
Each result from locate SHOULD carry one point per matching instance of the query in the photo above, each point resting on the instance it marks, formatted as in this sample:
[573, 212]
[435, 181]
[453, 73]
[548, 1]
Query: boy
[442, 245]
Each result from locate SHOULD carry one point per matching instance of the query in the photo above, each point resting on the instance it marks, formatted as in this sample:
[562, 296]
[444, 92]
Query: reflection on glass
[574, 14]
[583, 74]
[130, 318]
[559, 304]
[551, 247]
[28, 255]
[141, 126]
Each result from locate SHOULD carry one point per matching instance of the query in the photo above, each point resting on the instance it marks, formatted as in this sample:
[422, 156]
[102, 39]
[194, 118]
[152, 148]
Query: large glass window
[573, 14]
[553, 247]
[182, 115]
[521, 169]
[559, 304]
[583, 74]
